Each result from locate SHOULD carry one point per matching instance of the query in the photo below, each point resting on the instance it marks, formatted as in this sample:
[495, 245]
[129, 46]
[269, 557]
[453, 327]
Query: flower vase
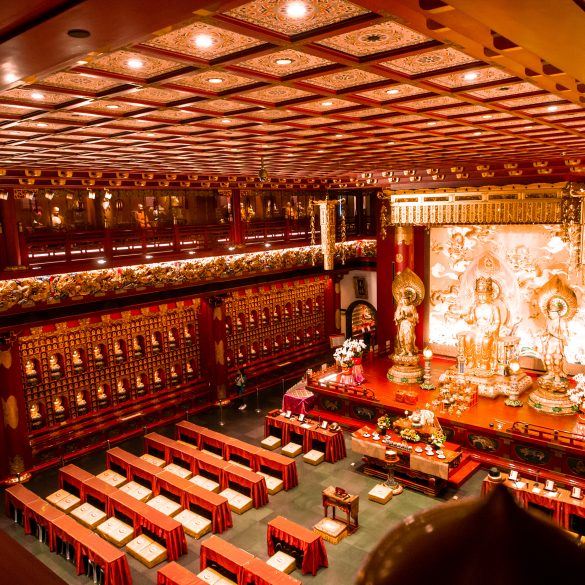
[382, 431]
[358, 370]
[346, 377]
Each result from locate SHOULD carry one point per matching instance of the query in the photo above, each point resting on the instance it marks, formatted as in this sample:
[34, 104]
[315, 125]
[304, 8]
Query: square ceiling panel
[430, 61]
[220, 106]
[430, 102]
[133, 65]
[293, 18]
[34, 96]
[283, 63]
[203, 41]
[504, 90]
[212, 81]
[377, 38]
[276, 94]
[384, 94]
[326, 105]
[345, 79]
[84, 82]
[472, 77]
[155, 95]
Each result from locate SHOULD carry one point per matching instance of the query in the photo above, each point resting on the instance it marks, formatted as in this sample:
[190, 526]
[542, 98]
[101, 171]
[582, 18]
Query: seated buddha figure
[188, 337]
[157, 381]
[118, 352]
[172, 340]
[174, 375]
[137, 347]
[98, 357]
[34, 412]
[140, 389]
[480, 344]
[189, 371]
[77, 361]
[81, 402]
[58, 408]
[31, 373]
[54, 367]
[155, 343]
[102, 397]
[121, 389]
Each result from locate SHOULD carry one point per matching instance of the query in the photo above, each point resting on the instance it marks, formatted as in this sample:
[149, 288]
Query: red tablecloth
[334, 442]
[312, 545]
[44, 515]
[225, 554]
[240, 449]
[189, 432]
[191, 495]
[145, 517]
[16, 497]
[132, 465]
[98, 489]
[175, 574]
[257, 572]
[285, 467]
[298, 399]
[160, 446]
[206, 463]
[71, 478]
[253, 483]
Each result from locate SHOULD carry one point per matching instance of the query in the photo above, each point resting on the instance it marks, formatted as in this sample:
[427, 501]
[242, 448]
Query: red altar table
[242, 452]
[145, 517]
[284, 467]
[97, 489]
[311, 544]
[43, 514]
[15, 499]
[85, 543]
[333, 441]
[225, 554]
[252, 482]
[191, 495]
[72, 478]
[257, 572]
[175, 574]
[298, 399]
[132, 465]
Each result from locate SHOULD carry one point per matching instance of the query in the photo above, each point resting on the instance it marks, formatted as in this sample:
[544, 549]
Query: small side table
[348, 503]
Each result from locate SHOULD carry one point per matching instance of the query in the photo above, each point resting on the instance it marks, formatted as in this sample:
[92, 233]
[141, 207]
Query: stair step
[465, 470]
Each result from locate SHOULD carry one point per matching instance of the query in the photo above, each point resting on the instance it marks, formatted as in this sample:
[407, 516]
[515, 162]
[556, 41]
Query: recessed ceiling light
[285, 61]
[135, 63]
[326, 103]
[112, 106]
[477, 133]
[101, 261]
[37, 95]
[392, 91]
[296, 9]
[215, 80]
[10, 77]
[553, 108]
[470, 75]
[486, 116]
[390, 143]
[431, 123]
[339, 136]
[42, 124]
[203, 41]
[226, 121]
[150, 134]
[81, 62]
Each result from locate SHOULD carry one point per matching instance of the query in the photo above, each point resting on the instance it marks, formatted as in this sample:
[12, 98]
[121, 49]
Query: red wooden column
[237, 232]
[13, 253]
[15, 453]
[421, 247]
[213, 343]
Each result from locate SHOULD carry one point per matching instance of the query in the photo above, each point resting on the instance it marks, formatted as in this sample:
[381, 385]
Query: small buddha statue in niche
[98, 357]
[276, 316]
[297, 339]
[140, 389]
[77, 361]
[265, 348]
[157, 381]
[253, 320]
[188, 337]
[54, 367]
[30, 372]
[120, 389]
[240, 324]
[174, 375]
[253, 353]
[118, 352]
[286, 342]
[34, 412]
[286, 313]
[228, 360]
[189, 371]
[58, 408]
[102, 397]
[276, 345]
[56, 218]
[264, 318]
[137, 347]
[79, 399]
[308, 336]
[297, 310]
[172, 340]
[228, 327]
[240, 357]
[155, 343]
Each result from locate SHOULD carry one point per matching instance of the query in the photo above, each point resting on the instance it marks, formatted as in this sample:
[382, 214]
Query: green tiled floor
[302, 505]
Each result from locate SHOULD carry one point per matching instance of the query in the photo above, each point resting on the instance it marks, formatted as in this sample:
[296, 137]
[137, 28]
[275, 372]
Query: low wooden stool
[63, 500]
[147, 551]
[271, 443]
[205, 483]
[153, 460]
[194, 524]
[283, 562]
[292, 450]
[115, 531]
[239, 503]
[314, 457]
[178, 470]
[137, 491]
[112, 478]
[88, 515]
[165, 506]
[273, 484]
[380, 493]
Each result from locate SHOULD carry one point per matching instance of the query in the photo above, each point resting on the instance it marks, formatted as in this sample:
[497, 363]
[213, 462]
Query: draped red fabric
[190, 494]
[257, 572]
[74, 476]
[312, 545]
[285, 467]
[98, 489]
[189, 432]
[44, 515]
[175, 574]
[252, 482]
[241, 449]
[225, 554]
[133, 466]
[278, 423]
[18, 496]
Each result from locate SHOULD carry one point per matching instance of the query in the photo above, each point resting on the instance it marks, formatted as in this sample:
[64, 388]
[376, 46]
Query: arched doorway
[360, 322]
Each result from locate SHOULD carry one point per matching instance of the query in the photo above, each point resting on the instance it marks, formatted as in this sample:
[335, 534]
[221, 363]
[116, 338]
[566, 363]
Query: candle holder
[514, 400]
[427, 384]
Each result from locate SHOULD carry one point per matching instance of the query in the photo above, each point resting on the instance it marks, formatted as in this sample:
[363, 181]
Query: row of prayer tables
[62, 530]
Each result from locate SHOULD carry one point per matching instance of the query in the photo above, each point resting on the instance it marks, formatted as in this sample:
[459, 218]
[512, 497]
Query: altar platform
[490, 432]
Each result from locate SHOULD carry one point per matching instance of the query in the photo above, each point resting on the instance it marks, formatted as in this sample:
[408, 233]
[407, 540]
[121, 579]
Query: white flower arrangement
[577, 393]
[350, 349]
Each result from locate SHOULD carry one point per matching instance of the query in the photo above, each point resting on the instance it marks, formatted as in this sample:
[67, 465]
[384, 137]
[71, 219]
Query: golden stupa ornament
[558, 305]
[408, 291]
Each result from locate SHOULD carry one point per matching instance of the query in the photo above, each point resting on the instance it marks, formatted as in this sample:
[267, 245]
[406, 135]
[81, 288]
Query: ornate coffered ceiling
[343, 89]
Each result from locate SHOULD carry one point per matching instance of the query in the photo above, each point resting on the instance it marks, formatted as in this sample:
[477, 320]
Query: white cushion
[205, 483]
[164, 505]
[146, 550]
[63, 500]
[137, 491]
[238, 502]
[178, 470]
[209, 575]
[88, 515]
[292, 449]
[194, 524]
[116, 531]
[380, 493]
[273, 484]
[282, 562]
[271, 442]
[153, 460]
[112, 478]
[314, 457]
